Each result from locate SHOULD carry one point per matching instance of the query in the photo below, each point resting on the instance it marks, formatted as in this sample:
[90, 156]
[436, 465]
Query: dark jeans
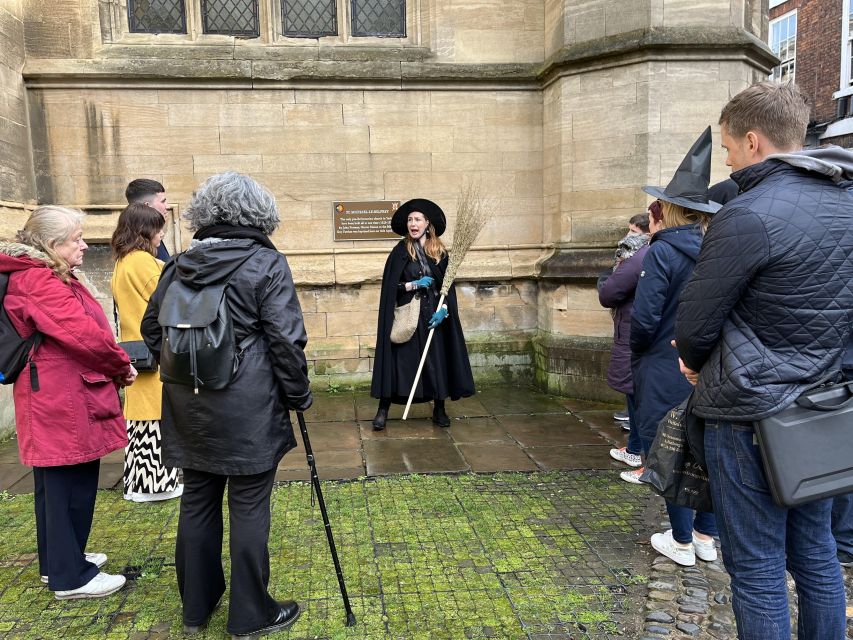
[760, 540]
[635, 443]
[684, 521]
[65, 505]
[198, 549]
[842, 522]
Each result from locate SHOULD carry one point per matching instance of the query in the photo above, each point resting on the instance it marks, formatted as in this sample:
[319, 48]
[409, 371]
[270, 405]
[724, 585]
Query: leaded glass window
[231, 17]
[381, 18]
[156, 16]
[309, 18]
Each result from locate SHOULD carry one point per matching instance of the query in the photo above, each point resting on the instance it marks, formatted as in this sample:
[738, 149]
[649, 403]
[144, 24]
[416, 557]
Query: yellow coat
[134, 280]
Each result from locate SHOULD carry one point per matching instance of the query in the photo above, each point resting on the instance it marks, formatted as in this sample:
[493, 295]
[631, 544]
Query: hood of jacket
[834, 162]
[15, 256]
[212, 261]
[687, 239]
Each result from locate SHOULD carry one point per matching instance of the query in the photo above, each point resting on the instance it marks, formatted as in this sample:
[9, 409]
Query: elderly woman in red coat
[67, 408]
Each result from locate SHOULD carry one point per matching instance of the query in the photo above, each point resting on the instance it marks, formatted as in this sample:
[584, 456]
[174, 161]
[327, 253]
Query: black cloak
[447, 370]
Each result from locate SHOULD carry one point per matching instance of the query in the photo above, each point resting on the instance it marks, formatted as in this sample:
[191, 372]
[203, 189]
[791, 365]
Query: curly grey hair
[235, 199]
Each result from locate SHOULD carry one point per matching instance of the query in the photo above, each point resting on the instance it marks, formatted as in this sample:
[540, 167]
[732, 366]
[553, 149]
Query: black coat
[447, 371]
[617, 292]
[658, 383]
[770, 305]
[244, 428]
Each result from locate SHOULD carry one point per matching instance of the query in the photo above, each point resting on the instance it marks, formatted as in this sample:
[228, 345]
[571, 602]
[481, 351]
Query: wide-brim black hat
[689, 185]
[431, 211]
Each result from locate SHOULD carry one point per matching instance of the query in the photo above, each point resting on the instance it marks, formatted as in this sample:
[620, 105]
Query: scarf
[629, 245]
[233, 232]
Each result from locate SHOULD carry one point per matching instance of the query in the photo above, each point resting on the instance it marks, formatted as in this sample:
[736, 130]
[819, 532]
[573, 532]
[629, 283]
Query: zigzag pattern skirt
[143, 467]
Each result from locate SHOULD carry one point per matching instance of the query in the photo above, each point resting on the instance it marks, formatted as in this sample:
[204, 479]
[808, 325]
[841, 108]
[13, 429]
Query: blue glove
[423, 283]
[438, 317]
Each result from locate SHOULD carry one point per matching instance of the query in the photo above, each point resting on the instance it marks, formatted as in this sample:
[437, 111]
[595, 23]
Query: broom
[471, 216]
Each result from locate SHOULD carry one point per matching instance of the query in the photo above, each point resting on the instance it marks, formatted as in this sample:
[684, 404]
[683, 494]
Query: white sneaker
[632, 476]
[155, 497]
[705, 549]
[97, 559]
[664, 544]
[100, 586]
[622, 455]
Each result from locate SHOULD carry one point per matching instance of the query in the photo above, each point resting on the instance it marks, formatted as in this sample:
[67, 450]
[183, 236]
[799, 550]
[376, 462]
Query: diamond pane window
[156, 16]
[231, 17]
[309, 18]
[380, 18]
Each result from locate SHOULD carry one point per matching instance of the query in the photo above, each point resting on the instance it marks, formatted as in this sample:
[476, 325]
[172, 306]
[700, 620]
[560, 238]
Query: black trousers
[65, 505]
[198, 549]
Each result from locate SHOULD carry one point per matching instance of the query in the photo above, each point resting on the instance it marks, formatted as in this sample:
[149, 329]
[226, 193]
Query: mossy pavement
[545, 554]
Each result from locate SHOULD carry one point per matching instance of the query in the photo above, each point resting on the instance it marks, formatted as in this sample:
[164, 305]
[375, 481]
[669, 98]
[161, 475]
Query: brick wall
[818, 51]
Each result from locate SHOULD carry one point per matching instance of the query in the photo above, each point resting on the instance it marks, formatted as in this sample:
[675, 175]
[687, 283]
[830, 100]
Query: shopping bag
[672, 469]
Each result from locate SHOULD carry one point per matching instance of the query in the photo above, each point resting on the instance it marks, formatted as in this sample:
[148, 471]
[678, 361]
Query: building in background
[563, 109]
[814, 42]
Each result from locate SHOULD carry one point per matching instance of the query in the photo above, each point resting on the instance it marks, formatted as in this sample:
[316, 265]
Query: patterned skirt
[143, 467]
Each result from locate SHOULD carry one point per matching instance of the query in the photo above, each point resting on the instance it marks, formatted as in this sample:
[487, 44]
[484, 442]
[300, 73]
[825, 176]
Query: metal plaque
[364, 220]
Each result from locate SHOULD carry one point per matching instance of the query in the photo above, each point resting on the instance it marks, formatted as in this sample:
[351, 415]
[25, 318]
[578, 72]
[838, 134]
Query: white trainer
[705, 549]
[622, 455]
[664, 544]
[97, 559]
[632, 476]
[100, 586]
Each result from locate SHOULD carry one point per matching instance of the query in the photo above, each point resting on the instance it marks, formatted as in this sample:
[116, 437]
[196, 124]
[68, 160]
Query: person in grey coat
[235, 436]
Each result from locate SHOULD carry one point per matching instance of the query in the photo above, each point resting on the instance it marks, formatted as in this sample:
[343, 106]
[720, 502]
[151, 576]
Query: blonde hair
[433, 246]
[674, 215]
[48, 226]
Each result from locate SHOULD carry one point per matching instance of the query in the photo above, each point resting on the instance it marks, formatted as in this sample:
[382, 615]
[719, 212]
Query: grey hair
[235, 199]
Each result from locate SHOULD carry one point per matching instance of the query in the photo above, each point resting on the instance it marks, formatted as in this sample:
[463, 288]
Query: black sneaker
[621, 416]
[845, 559]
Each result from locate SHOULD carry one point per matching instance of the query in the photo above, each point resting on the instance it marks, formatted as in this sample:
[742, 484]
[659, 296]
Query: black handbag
[140, 357]
[671, 468]
[807, 449]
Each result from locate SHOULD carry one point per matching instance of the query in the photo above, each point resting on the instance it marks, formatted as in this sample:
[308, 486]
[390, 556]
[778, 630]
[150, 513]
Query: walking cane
[315, 482]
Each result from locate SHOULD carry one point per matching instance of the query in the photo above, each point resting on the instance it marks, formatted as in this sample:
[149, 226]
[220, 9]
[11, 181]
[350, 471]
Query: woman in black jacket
[237, 435]
[415, 269]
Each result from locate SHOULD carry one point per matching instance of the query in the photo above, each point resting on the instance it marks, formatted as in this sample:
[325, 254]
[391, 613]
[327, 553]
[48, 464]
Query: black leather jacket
[245, 428]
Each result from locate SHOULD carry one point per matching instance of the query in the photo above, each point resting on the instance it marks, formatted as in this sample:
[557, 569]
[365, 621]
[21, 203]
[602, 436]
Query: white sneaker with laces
[100, 586]
[622, 455]
[705, 549]
[632, 476]
[664, 544]
[97, 559]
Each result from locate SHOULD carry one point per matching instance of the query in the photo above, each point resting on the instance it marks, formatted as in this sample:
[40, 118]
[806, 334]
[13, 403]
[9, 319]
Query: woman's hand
[438, 317]
[424, 282]
[130, 378]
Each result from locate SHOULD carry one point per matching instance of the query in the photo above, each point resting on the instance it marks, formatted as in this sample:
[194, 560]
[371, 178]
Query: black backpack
[15, 351]
[199, 348]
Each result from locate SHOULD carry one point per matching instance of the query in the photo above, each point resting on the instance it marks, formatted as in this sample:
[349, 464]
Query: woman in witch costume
[415, 269]
[677, 229]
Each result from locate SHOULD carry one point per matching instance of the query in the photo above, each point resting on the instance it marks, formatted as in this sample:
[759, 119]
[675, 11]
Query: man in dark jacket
[767, 313]
[152, 193]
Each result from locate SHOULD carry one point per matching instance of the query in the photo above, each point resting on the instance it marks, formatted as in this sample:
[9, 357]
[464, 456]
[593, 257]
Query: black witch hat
[689, 185]
[431, 211]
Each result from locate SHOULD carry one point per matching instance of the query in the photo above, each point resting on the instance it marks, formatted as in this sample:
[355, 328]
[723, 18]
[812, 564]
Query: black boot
[439, 416]
[381, 415]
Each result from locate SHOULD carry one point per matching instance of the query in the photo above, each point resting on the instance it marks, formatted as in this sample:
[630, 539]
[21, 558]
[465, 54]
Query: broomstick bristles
[472, 214]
